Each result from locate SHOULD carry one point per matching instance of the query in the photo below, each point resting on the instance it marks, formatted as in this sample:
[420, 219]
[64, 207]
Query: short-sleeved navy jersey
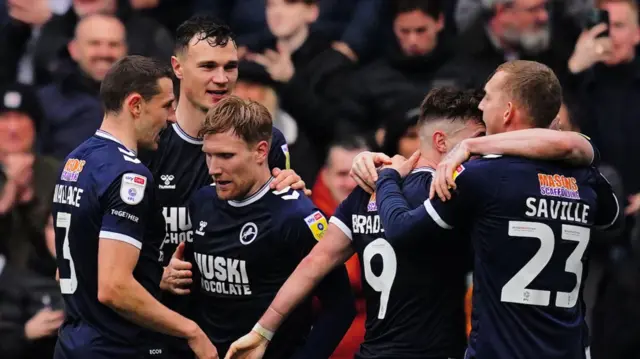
[530, 224]
[103, 191]
[414, 291]
[179, 169]
[243, 253]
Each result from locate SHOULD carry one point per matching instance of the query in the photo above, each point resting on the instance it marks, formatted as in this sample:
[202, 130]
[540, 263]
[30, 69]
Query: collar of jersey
[423, 169]
[108, 136]
[185, 136]
[253, 198]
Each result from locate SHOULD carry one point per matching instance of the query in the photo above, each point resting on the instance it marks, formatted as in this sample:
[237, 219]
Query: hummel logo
[167, 182]
[200, 231]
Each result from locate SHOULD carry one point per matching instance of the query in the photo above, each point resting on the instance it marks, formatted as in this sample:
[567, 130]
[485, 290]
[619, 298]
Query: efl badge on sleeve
[132, 188]
[317, 223]
[457, 172]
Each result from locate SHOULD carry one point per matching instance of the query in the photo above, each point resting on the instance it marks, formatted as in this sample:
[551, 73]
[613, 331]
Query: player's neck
[122, 130]
[263, 177]
[427, 159]
[295, 41]
[189, 117]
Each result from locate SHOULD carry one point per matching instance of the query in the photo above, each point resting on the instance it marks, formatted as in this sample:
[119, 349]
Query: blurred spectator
[410, 63]
[72, 107]
[30, 313]
[170, 13]
[4, 16]
[509, 30]
[607, 76]
[295, 58]
[355, 23]
[331, 188]
[26, 184]
[468, 11]
[399, 135]
[145, 36]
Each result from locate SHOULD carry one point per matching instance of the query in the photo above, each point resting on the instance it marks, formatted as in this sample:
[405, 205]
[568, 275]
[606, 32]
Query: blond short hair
[248, 119]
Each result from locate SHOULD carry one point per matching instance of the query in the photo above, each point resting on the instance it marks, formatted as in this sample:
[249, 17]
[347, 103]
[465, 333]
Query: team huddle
[181, 232]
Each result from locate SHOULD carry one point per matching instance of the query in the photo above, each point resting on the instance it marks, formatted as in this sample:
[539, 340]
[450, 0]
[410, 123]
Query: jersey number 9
[516, 291]
[381, 283]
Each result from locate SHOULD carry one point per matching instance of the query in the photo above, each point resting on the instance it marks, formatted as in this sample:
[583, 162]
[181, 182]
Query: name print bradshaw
[223, 275]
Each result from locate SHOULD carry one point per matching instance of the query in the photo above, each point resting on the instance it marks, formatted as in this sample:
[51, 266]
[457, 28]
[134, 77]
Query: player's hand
[590, 49]
[288, 178]
[443, 179]
[404, 165]
[44, 324]
[177, 276]
[202, 346]
[364, 169]
[250, 346]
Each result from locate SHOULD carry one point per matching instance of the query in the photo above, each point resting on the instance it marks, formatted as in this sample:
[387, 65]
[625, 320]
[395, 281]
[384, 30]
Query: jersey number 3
[381, 283]
[516, 291]
[67, 285]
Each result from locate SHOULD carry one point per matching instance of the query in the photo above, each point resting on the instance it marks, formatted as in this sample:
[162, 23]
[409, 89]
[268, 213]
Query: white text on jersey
[67, 195]
[555, 209]
[223, 275]
[178, 225]
[366, 224]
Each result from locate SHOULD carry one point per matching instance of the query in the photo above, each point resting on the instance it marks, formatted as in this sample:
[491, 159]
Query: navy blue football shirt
[243, 252]
[414, 291]
[530, 224]
[103, 191]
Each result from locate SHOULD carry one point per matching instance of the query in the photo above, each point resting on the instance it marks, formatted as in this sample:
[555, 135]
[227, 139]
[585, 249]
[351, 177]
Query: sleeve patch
[285, 150]
[132, 188]
[458, 171]
[317, 223]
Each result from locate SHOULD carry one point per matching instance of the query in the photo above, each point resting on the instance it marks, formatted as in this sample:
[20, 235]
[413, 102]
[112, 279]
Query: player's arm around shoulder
[537, 143]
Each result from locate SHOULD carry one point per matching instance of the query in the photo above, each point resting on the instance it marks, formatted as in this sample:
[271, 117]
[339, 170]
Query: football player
[529, 221]
[249, 238]
[101, 208]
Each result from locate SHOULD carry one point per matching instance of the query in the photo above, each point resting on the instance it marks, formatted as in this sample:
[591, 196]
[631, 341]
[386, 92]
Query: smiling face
[207, 73]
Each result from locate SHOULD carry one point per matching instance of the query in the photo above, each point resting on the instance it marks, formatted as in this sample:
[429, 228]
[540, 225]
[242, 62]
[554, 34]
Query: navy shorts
[81, 341]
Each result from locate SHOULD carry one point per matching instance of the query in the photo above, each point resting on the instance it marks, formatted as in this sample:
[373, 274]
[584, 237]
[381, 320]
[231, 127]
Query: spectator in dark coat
[509, 30]
[410, 64]
[72, 107]
[355, 23]
[607, 77]
[145, 36]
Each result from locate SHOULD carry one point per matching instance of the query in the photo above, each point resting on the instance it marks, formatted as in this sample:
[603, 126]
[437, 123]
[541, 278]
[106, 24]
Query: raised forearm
[129, 299]
[311, 270]
[535, 143]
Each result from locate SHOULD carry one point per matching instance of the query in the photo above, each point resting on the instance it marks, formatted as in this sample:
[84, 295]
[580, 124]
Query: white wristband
[263, 332]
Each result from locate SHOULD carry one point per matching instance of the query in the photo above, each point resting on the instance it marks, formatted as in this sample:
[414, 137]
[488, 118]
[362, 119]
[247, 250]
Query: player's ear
[133, 103]
[262, 151]
[508, 114]
[439, 141]
[176, 66]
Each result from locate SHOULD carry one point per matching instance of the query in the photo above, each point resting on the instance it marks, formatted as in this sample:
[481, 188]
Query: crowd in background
[339, 77]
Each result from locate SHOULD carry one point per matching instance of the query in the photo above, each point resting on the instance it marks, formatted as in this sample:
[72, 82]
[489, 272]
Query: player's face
[207, 73]
[494, 104]
[417, 32]
[287, 18]
[155, 114]
[233, 164]
[17, 132]
[623, 31]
